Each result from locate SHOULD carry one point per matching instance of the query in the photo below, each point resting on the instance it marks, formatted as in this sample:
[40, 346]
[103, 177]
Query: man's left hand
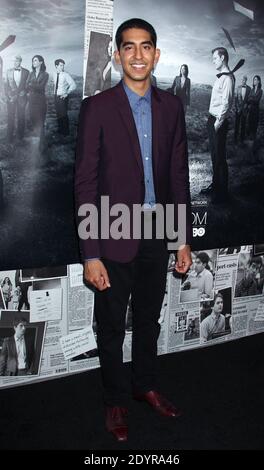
[184, 259]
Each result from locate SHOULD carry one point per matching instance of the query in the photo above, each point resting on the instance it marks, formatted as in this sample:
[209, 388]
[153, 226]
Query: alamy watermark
[96, 223]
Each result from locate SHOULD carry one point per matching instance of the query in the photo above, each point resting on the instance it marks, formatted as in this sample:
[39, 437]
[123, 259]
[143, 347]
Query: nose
[138, 52]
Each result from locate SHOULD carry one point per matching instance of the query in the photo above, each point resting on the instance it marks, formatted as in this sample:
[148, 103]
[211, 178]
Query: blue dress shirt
[141, 109]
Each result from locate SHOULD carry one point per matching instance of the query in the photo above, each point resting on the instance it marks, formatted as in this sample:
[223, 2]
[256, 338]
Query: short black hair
[57, 62]
[135, 23]
[18, 320]
[222, 51]
[255, 260]
[203, 257]
[218, 295]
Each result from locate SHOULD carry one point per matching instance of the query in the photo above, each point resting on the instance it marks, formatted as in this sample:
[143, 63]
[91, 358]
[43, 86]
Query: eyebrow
[131, 43]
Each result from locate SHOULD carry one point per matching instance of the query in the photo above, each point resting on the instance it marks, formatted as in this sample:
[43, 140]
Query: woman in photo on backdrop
[103, 76]
[215, 322]
[36, 85]
[182, 86]
[253, 107]
[6, 287]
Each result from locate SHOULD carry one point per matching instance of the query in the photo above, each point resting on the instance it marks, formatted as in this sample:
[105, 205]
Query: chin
[139, 78]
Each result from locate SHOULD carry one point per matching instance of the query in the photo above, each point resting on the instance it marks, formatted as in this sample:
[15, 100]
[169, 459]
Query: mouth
[138, 66]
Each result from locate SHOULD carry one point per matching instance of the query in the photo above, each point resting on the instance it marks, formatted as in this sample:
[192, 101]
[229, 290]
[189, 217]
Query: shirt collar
[21, 338]
[134, 98]
[201, 274]
[215, 316]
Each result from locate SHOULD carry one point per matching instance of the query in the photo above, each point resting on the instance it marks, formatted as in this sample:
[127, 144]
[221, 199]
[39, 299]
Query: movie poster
[187, 33]
[39, 109]
[39, 114]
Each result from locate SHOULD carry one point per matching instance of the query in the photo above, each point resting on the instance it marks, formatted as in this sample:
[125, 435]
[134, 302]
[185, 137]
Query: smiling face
[255, 81]
[198, 265]
[36, 62]
[137, 56]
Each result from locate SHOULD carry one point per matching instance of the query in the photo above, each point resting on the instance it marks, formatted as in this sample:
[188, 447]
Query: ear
[157, 56]
[117, 57]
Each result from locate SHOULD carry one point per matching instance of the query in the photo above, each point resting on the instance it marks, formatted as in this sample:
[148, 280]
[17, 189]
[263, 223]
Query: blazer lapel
[12, 76]
[128, 119]
[13, 350]
[156, 128]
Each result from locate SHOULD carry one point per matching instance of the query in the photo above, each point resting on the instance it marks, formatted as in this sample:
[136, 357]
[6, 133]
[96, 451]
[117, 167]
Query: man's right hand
[96, 274]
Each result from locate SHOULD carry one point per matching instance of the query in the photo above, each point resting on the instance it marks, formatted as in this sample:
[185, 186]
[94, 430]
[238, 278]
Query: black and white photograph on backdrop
[216, 316]
[221, 91]
[98, 69]
[47, 284]
[250, 275]
[41, 56]
[171, 263]
[198, 283]
[8, 283]
[193, 328]
[40, 274]
[233, 250]
[181, 321]
[21, 344]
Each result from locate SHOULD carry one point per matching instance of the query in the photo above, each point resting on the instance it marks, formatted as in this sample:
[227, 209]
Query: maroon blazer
[109, 162]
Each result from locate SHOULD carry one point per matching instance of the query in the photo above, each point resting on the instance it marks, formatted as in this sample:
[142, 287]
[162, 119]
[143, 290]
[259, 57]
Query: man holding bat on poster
[131, 148]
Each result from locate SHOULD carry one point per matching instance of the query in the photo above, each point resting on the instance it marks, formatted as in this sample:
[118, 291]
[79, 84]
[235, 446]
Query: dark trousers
[22, 372]
[16, 109]
[240, 126]
[145, 279]
[217, 143]
[61, 106]
[37, 116]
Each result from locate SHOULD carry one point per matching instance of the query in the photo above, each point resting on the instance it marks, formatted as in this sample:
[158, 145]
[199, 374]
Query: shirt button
[145, 135]
[146, 158]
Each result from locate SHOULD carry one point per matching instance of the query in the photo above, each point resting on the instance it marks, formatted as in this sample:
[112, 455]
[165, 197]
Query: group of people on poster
[223, 96]
[247, 101]
[26, 98]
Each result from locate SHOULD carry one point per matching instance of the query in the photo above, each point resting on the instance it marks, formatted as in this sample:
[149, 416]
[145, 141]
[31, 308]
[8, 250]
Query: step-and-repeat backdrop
[41, 278]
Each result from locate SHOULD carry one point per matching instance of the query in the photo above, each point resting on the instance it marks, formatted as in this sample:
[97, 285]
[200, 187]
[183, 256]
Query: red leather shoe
[159, 403]
[116, 422]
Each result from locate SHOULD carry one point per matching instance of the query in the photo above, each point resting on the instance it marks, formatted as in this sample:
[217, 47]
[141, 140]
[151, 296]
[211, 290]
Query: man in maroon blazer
[131, 148]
